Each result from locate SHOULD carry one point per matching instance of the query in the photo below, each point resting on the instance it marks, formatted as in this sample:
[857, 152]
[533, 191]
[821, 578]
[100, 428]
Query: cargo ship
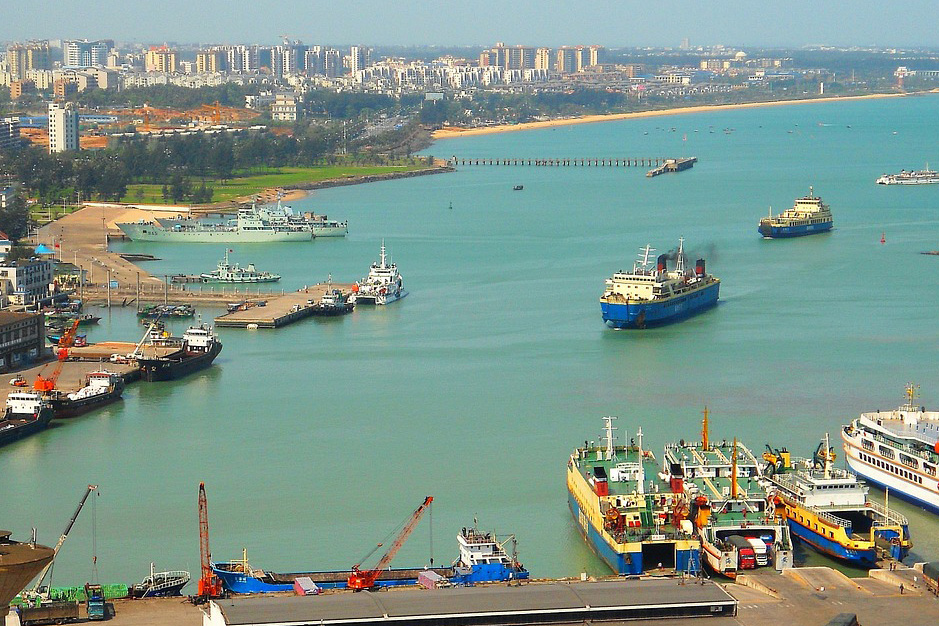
[808, 216]
[626, 511]
[196, 350]
[226, 272]
[247, 227]
[649, 296]
[101, 387]
[897, 450]
[726, 501]
[483, 558]
[828, 508]
[26, 413]
[383, 285]
[922, 177]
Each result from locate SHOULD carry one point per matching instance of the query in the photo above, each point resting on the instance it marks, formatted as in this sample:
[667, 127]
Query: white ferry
[227, 272]
[383, 284]
[922, 177]
[898, 449]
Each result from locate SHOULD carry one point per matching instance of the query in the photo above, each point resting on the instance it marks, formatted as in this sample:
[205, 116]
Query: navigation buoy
[883, 237]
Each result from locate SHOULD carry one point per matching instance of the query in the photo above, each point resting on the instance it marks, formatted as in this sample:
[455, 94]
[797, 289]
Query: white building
[25, 281]
[85, 53]
[360, 58]
[63, 127]
[285, 108]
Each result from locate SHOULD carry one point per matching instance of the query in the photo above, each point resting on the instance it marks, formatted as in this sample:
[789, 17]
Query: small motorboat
[518, 187]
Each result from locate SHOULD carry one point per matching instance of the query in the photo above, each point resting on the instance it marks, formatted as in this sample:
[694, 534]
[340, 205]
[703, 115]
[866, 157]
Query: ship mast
[705, 444]
[642, 468]
[383, 266]
[910, 395]
[733, 472]
[680, 264]
[643, 261]
[827, 458]
[608, 429]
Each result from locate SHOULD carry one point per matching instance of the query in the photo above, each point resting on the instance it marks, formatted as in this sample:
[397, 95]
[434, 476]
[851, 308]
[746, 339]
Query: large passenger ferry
[898, 450]
[649, 296]
[724, 486]
[828, 508]
[922, 177]
[808, 216]
[625, 509]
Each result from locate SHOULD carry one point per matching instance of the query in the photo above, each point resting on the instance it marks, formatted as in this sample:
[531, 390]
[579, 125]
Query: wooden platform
[279, 310]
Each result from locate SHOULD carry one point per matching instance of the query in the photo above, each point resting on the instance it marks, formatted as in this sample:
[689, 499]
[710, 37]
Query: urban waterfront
[316, 440]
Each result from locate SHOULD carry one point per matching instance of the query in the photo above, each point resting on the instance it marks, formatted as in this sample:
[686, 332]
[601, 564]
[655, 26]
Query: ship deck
[588, 464]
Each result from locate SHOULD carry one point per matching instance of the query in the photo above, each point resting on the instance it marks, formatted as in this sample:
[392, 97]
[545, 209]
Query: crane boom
[359, 579]
[63, 537]
[65, 342]
[209, 585]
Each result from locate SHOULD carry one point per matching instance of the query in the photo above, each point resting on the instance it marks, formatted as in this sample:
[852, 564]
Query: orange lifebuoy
[612, 513]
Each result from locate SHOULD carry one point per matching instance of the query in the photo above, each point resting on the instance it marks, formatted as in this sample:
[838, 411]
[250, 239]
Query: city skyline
[414, 23]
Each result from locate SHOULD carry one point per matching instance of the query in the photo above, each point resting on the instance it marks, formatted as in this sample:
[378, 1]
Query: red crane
[209, 584]
[360, 579]
[65, 342]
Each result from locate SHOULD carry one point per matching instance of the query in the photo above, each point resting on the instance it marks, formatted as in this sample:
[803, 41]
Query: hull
[649, 314]
[914, 494]
[10, 432]
[154, 370]
[859, 558]
[331, 311]
[146, 232]
[237, 281]
[73, 408]
[379, 299]
[782, 232]
[327, 231]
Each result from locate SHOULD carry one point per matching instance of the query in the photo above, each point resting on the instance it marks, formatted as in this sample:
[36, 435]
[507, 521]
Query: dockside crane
[35, 591]
[209, 584]
[66, 341]
[366, 579]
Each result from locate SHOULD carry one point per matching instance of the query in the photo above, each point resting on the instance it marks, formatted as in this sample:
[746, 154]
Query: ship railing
[891, 516]
[835, 520]
[905, 447]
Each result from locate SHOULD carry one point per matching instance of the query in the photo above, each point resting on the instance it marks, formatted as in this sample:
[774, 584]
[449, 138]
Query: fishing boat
[726, 501]
[626, 511]
[160, 584]
[197, 348]
[653, 296]
[332, 303]
[26, 413]
[828, 508]
[101, 387]
[808, 216]
[482, 558]
[249, 226]
[922, 177]
[383, 284]
[153, 311]
[518, 187]
[897, 450]
[227, 272]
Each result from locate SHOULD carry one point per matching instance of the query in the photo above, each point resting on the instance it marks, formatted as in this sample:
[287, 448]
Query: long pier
[566, 162]
[280, 310]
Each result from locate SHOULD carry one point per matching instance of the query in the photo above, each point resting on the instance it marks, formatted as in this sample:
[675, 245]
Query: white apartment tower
[360, 58]
[63, 127]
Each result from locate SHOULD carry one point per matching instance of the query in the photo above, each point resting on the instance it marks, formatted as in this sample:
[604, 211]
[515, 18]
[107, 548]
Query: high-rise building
[63, 127]
[86, 53]
[360, 58]
[250, 58]
[332, 62]
[161, 59]
[210, 62]
[313, 61]
[9, 133]
[569, 60]
[33, 55]
[543, 59]
[596, 55]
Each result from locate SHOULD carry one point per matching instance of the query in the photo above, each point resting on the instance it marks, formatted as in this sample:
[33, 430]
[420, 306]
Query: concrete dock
[671, 166]
[73, 374]
[279, 310]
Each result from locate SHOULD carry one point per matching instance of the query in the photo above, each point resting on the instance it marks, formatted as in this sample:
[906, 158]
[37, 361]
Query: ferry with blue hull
[625, 510]
[808, 216]
[648, 296]
[897, 450]
[828, 508]
[483, 558]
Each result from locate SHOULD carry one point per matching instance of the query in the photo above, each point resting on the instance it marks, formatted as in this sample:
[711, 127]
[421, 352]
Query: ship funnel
[699, 268]
[660, 263]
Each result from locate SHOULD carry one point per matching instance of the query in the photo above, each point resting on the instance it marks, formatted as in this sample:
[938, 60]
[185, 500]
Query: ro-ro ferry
[808, 216]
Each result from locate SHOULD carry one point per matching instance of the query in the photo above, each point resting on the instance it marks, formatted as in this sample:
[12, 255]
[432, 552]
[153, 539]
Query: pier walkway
[279, 310]
[577, 162]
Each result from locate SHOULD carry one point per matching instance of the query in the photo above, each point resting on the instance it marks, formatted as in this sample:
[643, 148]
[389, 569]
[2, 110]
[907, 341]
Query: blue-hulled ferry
[483, 558]
[808, 216]
[649, 296]
[626, 511]
[828, 508]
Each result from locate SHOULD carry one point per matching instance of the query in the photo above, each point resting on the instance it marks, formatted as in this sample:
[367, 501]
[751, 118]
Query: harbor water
[316, 440]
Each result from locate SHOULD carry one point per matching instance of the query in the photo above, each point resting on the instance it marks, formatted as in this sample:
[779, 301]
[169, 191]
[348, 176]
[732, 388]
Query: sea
[318, 440]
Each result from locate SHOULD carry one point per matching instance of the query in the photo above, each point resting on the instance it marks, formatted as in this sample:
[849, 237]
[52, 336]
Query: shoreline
[447, 133]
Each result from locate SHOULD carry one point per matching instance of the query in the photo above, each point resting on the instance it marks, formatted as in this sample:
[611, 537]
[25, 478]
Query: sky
[626, 23]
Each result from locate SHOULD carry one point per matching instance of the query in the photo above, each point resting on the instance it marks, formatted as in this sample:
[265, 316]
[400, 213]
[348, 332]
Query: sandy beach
[589, 119]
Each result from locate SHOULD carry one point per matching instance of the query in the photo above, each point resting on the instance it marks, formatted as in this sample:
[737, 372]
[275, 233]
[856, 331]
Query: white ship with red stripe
[898, 449]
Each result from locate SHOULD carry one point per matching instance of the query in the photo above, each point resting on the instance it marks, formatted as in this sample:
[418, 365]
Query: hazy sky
[482, 22]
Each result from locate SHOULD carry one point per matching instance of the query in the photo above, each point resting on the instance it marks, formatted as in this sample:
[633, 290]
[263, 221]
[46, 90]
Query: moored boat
[897, 450]
[197, 349]
[626, 511]
[227, 272]
[383, 285]
[808, 216]
[250, 226]
[649, 296]
[101, 387]
[160, 584]
[333, 303]
[26, 413]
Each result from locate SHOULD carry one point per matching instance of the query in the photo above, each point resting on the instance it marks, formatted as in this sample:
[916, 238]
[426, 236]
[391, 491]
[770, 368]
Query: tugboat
[727, 504]
[808, 216]
[828, 508]
[101, 387]
[382, 285]
[160, 584]
[197, 349]
[26, 413]
[332, 303]
[898, 450]
[626, 511]
[648, 297]
[226, 272]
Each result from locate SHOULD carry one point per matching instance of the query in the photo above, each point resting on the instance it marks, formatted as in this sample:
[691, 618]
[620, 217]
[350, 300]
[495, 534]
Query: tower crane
[366, 579]
[42, 575]
[209, 584]
[66, 341]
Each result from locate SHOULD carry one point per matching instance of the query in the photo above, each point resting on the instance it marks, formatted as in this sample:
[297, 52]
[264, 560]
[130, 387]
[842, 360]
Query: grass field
[281, 177]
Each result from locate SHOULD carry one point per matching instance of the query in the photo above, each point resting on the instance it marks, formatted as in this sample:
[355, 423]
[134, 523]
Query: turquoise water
[317, 439]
